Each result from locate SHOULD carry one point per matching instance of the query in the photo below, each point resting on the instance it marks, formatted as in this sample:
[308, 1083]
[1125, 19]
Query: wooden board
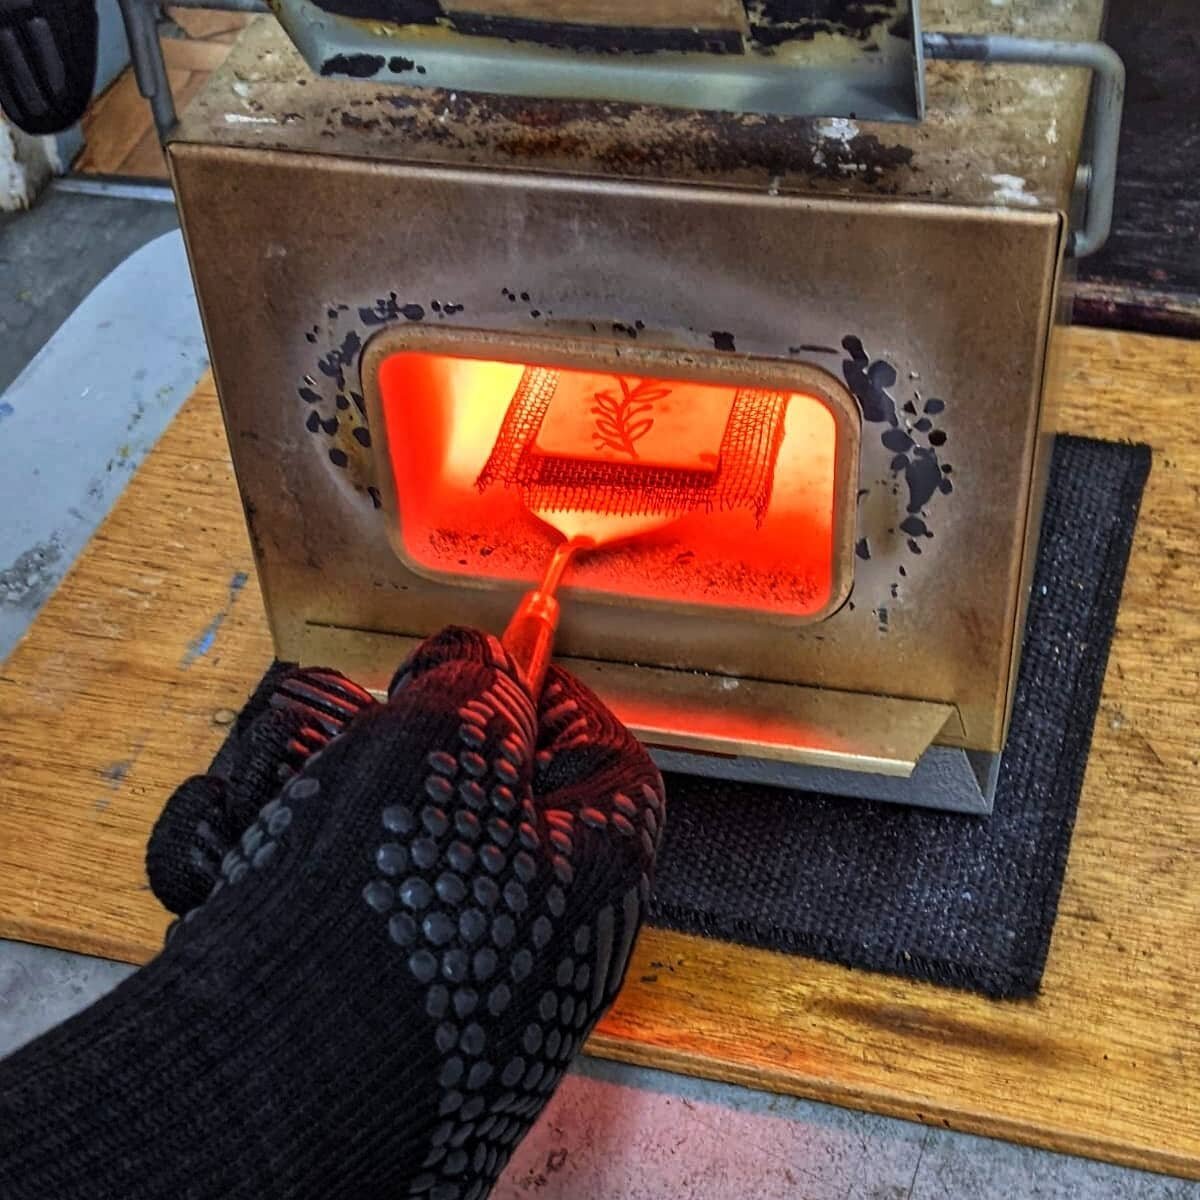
[208, 23]
[129, 678]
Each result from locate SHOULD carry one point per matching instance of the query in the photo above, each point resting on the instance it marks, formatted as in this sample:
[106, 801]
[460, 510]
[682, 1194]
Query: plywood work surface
[128, 680]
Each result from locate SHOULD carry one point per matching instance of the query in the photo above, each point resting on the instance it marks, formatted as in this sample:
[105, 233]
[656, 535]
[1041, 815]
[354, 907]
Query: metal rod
[141, 30]
[1107, 103]
[529, 637]
[125, 189]
[563, 555]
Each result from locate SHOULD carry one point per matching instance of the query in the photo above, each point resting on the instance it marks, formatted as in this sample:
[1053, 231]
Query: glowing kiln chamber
[720, 496]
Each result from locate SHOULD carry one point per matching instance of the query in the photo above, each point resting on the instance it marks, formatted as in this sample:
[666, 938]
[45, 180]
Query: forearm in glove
[375, 990]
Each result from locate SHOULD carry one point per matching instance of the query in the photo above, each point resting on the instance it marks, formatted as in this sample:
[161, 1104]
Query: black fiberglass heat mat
[959, 900]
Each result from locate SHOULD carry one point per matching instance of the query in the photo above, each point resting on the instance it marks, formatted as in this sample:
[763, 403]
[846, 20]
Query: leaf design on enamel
[623, 420]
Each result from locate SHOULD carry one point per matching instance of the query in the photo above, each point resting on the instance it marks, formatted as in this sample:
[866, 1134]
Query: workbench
[135, 669]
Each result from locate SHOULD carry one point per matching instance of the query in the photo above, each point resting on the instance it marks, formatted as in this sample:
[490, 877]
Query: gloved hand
[287, 721]
[377, 988]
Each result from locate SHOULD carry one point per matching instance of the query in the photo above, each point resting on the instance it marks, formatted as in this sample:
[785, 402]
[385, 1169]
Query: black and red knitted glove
[393, 967]
[294, 714]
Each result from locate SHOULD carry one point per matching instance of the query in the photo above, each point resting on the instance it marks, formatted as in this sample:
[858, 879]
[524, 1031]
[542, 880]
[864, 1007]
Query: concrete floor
[108, 382]
[53, 255]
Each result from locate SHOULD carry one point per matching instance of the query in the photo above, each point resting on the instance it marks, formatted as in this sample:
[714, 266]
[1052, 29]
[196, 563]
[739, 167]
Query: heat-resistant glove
[48, 51]
[294, 714]
[393, 968]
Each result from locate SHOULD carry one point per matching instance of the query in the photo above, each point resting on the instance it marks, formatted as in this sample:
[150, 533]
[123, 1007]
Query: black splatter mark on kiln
[912, 439]
[335, 409]
[390, 309]
[331, 364]
[357, 66]
[924, 477]
[869, 382]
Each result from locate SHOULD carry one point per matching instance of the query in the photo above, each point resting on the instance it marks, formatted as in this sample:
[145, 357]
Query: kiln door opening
[712, 494]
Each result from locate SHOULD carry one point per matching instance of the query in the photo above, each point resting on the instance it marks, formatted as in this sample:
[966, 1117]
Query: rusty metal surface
[936, 317]
[993, 135]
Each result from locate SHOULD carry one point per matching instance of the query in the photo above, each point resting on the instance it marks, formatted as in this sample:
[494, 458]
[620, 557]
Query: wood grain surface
[129, 678]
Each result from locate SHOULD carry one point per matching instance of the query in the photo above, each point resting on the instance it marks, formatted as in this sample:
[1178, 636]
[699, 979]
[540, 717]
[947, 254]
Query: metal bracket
[1107, 103]
[945, 778]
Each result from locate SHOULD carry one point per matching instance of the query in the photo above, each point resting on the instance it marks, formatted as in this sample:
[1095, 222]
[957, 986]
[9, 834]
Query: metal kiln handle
[1107, 102]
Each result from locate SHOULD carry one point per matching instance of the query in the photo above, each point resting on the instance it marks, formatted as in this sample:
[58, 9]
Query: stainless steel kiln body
[917, 267]
[300, 262]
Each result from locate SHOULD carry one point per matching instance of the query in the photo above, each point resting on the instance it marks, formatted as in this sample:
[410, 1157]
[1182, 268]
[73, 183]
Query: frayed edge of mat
[782, 941]
[1026, 977]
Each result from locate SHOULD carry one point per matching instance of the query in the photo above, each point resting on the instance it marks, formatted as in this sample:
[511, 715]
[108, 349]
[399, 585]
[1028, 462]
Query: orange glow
[444, 415]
